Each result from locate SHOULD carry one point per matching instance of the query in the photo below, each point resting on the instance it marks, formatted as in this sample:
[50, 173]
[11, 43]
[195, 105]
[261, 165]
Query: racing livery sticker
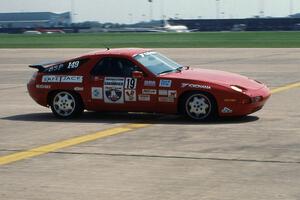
[114, 81]
[149, 91]
[130, 83]
[43, 86]
[78, 89]
[166, 99]
[71, 79]
[97, 93]
[143, 97]
[149, 83]
[165, 83]
[163, 92]
[51, 79]
[113, 94]
[62, 79]
[226, 110]
[172, 93]
[130, 95]
[55, 68]
[183, 85]
[63, 67]
[114, 90]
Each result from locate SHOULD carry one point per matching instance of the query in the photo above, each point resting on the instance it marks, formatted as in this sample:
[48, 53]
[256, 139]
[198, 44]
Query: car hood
[216, 77]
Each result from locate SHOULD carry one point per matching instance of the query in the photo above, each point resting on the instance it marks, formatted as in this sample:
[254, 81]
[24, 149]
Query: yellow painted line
[69, 142]
[286, 87]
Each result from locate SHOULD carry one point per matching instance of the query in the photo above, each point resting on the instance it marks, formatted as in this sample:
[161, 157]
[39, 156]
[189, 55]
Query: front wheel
[66, 105]
[199, 106]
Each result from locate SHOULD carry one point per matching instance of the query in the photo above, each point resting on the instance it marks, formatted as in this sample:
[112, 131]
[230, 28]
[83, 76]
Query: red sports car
[142, 80]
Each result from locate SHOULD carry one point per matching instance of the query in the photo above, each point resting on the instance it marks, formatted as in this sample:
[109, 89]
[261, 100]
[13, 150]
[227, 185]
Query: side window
[116, 67]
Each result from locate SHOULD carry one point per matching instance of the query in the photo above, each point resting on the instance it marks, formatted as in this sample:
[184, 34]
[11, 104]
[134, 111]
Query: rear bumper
[250, 102]
[37, 94]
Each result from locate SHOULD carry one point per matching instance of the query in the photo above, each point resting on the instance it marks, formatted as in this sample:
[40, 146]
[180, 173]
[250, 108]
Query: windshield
[157, 63]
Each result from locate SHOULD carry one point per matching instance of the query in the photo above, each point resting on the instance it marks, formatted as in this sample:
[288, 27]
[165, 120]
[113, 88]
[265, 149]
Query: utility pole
[218, 9]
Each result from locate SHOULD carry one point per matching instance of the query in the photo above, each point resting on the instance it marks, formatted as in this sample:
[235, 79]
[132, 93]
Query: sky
[131, 11]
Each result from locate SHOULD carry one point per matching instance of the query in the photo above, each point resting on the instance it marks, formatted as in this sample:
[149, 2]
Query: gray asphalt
[257, 157]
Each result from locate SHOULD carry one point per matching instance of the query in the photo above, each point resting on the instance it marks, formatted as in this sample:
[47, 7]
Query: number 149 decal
[130, 83]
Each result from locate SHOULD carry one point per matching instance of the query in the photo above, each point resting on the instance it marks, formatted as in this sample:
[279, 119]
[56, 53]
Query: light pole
[262, 8]
[291, 7]
[130, 17]
[162, 6]
[73, 11]
[151, 9]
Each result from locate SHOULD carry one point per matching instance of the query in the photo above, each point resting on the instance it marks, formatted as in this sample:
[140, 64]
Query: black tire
[66, 105]
[199, 106]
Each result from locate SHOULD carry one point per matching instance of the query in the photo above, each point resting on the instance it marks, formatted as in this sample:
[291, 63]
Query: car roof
[122, 51]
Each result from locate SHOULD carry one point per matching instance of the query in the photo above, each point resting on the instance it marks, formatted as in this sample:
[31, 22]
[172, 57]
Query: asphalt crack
[167, 157]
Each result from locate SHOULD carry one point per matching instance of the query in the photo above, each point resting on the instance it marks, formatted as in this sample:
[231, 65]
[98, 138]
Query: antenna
[107, 48]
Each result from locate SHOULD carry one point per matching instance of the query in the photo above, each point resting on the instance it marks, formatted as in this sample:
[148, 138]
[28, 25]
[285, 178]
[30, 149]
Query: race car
[142, 80]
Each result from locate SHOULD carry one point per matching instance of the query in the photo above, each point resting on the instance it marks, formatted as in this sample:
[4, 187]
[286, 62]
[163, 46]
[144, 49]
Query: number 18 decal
[130, 83]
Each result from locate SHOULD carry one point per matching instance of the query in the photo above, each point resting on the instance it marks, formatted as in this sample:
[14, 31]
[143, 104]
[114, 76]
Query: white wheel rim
[198, 106]
[64, 104]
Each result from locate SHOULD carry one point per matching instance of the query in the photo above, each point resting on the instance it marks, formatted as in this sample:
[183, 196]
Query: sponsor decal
[130, 83]
[183, 85]
[166, 99]
[113, 90]
[55, 68]
[163, 92]
[172, 93]
[230, 100]
[65, 67]
[71, 79]
[113, 94]
[149, 91]
[51, 79]
[165, 83]
[130, 95]
[78, 88]
[114, 81]
[149, 83]
[226, 110]
[43, 86]
[143, 97]
[97, 93]
[62, 79]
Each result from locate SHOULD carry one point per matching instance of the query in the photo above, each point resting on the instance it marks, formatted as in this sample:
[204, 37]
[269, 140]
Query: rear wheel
[199, 106]
[66, 105]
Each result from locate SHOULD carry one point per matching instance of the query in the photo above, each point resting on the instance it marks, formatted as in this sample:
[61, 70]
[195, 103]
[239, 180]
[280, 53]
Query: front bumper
[248, 103]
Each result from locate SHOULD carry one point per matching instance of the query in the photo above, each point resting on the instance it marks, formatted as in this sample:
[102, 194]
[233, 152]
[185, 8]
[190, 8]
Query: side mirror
[137, 74]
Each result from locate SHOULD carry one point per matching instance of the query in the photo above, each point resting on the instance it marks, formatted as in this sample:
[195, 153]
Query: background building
[35, 20]
[251, 24]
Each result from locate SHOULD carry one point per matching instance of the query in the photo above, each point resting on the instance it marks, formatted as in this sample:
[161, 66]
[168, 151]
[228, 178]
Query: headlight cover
[238, 88]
